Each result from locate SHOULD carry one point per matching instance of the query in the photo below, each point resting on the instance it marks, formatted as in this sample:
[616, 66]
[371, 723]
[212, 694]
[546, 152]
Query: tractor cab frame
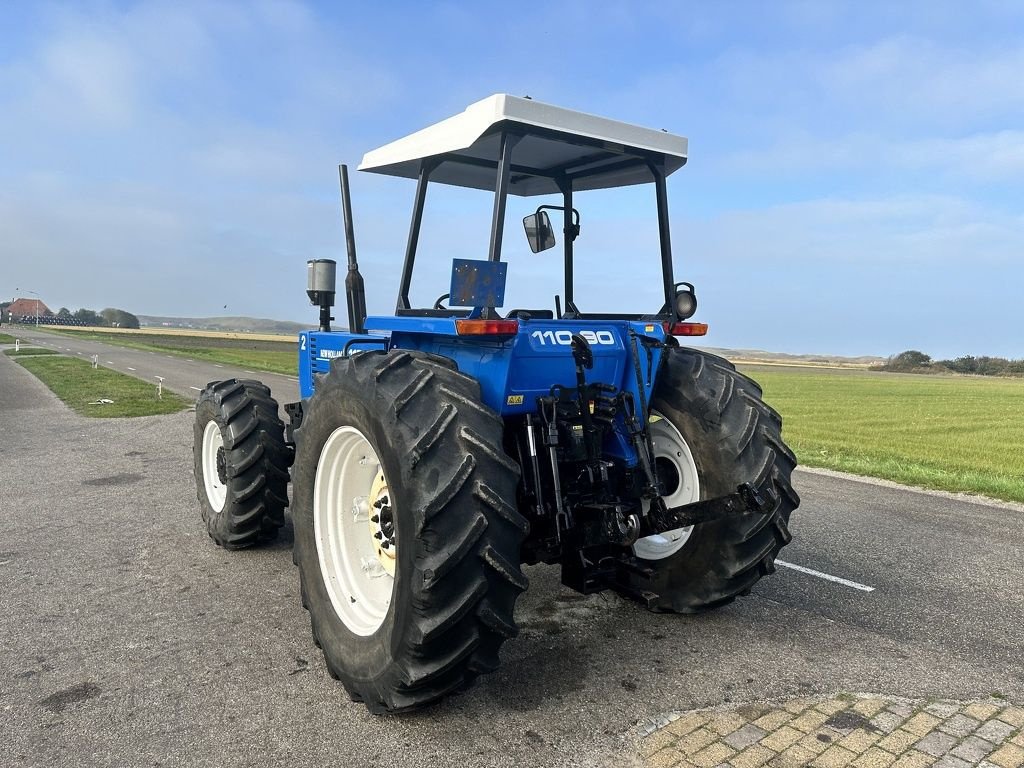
[518, 146]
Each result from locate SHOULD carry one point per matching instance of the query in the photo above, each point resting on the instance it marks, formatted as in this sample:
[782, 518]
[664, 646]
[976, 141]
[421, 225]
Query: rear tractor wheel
[241, 463]
[712, 431]
[406, 543]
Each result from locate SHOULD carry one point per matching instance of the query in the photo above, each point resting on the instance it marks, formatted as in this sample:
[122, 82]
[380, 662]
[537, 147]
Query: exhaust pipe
[355, 293]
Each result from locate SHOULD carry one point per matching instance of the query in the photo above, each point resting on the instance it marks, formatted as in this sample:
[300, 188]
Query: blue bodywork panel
[318, 349]
[513, 371]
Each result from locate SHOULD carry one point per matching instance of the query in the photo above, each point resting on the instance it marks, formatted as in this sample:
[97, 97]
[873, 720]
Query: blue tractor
[437, 450]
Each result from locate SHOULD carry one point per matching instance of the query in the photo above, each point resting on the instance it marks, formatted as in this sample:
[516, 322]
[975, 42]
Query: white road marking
[826, 576]
[131, 369]
[197, 389]
[217, 366]
[190, 360]
[250, 371]
[110, 362]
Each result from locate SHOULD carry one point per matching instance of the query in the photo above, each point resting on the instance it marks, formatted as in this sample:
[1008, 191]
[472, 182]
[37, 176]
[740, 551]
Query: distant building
[24, 311]
[29, 308]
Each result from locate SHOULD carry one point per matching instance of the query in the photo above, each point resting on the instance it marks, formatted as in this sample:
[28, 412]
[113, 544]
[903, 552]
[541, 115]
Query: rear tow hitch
[746, 500]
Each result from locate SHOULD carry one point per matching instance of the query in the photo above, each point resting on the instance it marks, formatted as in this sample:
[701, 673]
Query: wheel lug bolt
[378, 535]
[375, 519]
[385, 544]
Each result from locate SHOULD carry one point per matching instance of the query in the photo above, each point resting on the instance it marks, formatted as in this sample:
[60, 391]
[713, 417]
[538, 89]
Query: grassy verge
[29, 352]
[81, 386]
[949, 433]
[6, 338]
[256, 354]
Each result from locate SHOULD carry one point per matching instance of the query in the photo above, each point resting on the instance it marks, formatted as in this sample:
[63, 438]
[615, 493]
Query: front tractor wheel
[711, 432]
[241, 463]
[405, 539]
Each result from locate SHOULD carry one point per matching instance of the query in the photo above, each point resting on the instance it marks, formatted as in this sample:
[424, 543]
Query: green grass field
[78, 384]
[953, 433]
[255, 354]
[6, 338]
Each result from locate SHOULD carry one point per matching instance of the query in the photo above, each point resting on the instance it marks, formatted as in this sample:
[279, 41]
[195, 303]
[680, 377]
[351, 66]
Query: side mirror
[539, 232]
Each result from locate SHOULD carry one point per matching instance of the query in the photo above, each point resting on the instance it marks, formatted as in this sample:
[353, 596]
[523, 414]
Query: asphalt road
[128, 638]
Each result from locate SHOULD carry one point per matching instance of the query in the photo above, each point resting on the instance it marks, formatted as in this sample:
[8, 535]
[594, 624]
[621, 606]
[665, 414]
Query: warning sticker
[514, 400]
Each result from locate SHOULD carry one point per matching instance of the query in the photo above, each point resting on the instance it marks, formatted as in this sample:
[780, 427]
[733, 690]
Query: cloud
[980, 157]
[910, 75]
[859, 275]
[926, 230]
[173, 157]
[903, 77]
[146, 145]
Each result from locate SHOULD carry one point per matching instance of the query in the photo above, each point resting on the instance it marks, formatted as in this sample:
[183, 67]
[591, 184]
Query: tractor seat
[537, 314]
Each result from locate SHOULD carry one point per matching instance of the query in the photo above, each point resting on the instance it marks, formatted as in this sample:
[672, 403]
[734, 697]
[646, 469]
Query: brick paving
[841, 731]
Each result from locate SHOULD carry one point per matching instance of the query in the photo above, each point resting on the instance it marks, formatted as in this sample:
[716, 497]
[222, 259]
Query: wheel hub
[222, 466]
[382, 524]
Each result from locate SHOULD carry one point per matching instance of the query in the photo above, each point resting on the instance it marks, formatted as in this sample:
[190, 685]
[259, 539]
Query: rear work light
[487, 327]
[686, 329]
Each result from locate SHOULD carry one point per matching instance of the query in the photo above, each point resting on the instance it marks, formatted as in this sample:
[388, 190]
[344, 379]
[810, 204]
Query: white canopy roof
[594, 152]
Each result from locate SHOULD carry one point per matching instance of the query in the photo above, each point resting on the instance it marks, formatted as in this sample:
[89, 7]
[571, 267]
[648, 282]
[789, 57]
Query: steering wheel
[442, 297]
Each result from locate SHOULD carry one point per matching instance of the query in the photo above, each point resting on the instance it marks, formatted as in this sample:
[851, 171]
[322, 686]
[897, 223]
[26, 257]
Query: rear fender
[318, 349]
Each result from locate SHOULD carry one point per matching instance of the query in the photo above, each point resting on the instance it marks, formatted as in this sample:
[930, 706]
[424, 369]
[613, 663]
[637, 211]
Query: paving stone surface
[855, 730]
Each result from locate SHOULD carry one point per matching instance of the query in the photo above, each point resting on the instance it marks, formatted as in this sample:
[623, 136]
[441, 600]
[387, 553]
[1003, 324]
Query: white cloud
[860, 276]
[911, 75]
[982, 157]
[919, 229]
[143, 146]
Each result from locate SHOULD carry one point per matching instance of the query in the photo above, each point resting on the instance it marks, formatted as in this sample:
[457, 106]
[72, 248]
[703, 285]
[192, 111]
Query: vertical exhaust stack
[355, 293]
[320, 283]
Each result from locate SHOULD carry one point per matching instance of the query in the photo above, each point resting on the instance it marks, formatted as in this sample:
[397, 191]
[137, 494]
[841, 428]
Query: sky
[854, 183]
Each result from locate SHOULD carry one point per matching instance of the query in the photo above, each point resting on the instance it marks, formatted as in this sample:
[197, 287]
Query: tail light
[686, 329]
[487, 327]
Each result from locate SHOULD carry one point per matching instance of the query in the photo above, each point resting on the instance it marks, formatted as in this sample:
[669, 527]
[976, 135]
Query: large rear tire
[717, 416]
[241, 463]
[398, 448]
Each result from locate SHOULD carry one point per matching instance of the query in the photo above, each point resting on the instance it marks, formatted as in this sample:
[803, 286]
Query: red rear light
[686, 329]
[487, 327]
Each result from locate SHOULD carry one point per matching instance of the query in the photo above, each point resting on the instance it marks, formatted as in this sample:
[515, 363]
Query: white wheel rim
[676, 465]
[213, 444]
[359, 585]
